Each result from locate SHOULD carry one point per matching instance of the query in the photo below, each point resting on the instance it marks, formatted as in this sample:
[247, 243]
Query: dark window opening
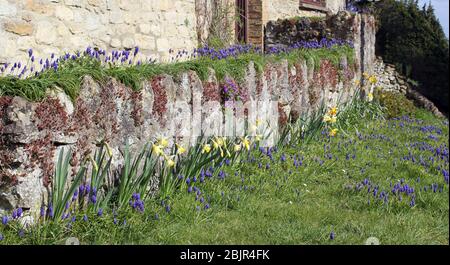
[242, 21]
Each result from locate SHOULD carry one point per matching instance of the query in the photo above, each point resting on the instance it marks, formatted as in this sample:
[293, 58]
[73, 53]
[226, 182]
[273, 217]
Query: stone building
[57, 26]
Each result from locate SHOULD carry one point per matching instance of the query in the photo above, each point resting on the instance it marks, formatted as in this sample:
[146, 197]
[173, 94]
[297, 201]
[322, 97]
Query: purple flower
[100, 212]
[5, 220]
[412, 203]
[51, 213]
[1, 237]
[85, 218]
[332, 235]
[168, 208]
[94, 199]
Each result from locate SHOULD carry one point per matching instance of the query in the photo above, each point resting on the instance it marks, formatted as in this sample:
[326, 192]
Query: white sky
[441, 10]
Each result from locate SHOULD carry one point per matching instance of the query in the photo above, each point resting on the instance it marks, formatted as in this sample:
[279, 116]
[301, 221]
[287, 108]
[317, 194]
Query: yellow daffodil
[163, 142]
[222, 141]
[333, 132]
[246, 143]
[215, 144]
[333, 111]
[237, 147]
[258, 122]
[180, 149]
[206, 148]
[357, 82]
[157, 149]
[258, 137]
[365, 75]
[330, 119]
[326, 118]
[370, 97]
[170, 163]
[372, 79]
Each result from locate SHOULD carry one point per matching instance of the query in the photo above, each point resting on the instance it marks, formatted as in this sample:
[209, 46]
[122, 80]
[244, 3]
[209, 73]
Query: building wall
[282, 9]
[336, 5]
[56, 26]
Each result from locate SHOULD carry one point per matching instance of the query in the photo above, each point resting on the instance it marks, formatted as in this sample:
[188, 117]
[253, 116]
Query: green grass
[70, 73]
[290, 205]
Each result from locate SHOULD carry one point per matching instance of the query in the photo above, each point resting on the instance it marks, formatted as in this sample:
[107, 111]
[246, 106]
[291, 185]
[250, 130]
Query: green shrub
[395, 104]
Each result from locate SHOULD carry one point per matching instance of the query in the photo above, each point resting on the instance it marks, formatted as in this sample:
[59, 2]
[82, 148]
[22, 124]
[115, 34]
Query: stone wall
[390, 80]
[31, 133]
[57, 26]
[358, 28]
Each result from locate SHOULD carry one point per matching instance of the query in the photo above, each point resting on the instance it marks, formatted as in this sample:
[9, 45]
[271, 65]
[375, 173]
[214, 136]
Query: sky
[441, 10]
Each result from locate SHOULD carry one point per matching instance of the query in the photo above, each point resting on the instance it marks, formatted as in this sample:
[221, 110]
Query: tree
[413, 39]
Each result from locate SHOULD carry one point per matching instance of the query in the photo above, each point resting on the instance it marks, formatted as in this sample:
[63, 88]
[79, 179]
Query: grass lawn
[380, 178]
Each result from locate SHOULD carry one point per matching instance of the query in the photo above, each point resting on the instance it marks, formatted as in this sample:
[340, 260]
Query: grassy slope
[301, 207]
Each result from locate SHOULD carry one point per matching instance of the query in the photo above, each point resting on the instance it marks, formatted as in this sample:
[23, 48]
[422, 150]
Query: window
[242, 21]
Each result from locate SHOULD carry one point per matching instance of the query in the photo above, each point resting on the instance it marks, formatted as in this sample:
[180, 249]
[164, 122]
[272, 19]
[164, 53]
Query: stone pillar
[255, 23]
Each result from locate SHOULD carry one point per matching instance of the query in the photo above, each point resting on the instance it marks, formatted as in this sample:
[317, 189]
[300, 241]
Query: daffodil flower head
[333, 132]
[180, 149]
[333, 119]
[258, 122]
[370, 97]
[333, 111]
[326, 118]
[216, 144]
[206, 148]
[258, 137]
[157, 149]
[170, 163]
[246, 143]
[365, 75]
[372, 79]
[163, 142]
[237, 147]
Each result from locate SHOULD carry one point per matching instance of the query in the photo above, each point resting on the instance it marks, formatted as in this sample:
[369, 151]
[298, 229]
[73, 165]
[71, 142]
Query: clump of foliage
[67, 71]
[396, 104]
[412, 38]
